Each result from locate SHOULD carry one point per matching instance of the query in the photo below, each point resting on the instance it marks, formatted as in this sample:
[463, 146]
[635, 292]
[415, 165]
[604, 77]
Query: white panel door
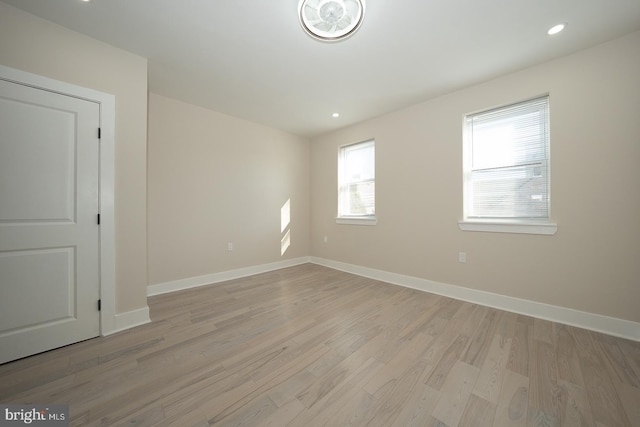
[49, 248]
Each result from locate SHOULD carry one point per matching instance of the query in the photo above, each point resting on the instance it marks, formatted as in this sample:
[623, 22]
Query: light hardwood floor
[311, 346]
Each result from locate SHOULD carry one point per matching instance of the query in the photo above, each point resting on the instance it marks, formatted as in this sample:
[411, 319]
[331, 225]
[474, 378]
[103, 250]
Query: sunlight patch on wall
[285, 215]
[285, 242]
[285, 220]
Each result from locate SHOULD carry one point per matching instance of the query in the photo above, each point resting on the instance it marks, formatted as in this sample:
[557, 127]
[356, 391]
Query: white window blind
[506, 167]
[356, 180]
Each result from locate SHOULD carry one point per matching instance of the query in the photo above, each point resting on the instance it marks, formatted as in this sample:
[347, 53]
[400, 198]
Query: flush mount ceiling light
[331, 20]
[556, 29]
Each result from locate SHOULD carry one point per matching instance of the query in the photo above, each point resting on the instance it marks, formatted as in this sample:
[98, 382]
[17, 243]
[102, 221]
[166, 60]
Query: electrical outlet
[230, 246]
[462, 257]
[326, 239]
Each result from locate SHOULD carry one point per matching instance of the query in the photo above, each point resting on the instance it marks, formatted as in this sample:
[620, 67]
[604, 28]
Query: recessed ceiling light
[556, 29]
[335, 115]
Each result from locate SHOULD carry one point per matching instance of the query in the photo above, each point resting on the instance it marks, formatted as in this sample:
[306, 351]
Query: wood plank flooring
[311, 346]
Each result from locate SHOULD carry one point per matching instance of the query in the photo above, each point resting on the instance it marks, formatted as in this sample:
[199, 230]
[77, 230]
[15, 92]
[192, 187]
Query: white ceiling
[253, 60]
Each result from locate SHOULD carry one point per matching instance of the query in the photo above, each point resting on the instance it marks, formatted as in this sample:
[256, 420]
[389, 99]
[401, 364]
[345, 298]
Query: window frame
[346, 218]
[504, 224]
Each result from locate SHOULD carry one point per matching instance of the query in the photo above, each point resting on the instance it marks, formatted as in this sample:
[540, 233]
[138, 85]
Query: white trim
[130, 319]
[107, 173]
[107, 216]
[595, 322]
[505, 227]
[362, 220]
[209, 279]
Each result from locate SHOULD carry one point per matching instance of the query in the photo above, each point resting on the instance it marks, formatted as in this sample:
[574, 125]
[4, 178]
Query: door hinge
[98, 219]
[99, 133]
[99, 305]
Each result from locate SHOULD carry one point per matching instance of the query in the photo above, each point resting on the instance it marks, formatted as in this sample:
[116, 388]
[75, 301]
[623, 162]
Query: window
[356, 183]
[506, 168]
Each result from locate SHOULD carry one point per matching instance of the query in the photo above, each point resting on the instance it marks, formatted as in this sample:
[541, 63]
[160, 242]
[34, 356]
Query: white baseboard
[130, 319]
[595, 322]
[193, 282]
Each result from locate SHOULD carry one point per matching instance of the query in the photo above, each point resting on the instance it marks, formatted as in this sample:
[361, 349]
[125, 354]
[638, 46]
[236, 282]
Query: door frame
[106, 180]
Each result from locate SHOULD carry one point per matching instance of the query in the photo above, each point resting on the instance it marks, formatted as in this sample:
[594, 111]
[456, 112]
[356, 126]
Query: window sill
[506, 227]
[359, 220]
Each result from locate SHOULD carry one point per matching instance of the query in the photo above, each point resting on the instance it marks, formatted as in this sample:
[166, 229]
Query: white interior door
[49, 247]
